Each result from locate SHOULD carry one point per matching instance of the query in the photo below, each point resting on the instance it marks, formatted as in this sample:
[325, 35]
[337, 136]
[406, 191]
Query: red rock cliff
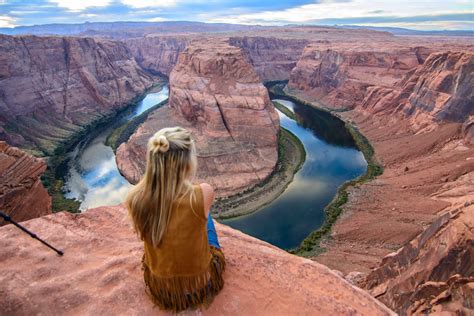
[339, 77]
[157, 53]
[215, 93]
[22, 194]
[272, 58]
[440, 90]
[432, 273]
[54, 86]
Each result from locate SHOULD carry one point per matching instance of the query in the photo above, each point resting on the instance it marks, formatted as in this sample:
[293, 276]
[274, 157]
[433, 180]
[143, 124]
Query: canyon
[217, 95]
[416, 128]
[52, 87]
[405, 236]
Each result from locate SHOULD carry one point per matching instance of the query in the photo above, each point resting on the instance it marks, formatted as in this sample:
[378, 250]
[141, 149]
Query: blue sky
[416, 14]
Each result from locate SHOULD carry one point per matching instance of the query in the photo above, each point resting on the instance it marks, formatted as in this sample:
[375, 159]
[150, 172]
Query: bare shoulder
[208, 196]
[207, 188]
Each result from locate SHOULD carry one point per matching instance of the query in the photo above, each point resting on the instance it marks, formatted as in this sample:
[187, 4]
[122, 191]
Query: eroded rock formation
[51, 87]
[468, 131]
[216, 94]
[421, 132]
[438, 91]
[158, 54]
[432, 273]
[339, 77]
[22, 195]
[272, 58]
[100, 273]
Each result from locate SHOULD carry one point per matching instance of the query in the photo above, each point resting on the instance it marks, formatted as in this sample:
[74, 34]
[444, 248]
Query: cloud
[150, 3]
[434, 14]
[80, 5]
[7, 21]
[358, 11]
[157, 19]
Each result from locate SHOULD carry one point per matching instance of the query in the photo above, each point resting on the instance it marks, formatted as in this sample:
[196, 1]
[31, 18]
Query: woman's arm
[208, 197]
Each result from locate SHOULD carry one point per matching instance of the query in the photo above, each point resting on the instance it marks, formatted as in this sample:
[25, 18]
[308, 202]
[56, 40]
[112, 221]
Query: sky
[414, 14]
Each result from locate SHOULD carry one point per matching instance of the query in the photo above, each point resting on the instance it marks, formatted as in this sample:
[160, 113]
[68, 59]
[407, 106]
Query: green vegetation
[54, 187]
[122, 133]
[291, 156]
[283, 161]
[310, 245]
[284, 110]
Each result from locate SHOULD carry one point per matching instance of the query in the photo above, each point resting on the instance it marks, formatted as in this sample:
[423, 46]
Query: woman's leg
[211, 233]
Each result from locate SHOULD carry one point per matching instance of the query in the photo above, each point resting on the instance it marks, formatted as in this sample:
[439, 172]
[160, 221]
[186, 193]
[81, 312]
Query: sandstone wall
[421, 130]
[52, 87]
[158, 54]
[440, 90]
[272, 58]
[216, 94]
[339, 77]
[22, 195]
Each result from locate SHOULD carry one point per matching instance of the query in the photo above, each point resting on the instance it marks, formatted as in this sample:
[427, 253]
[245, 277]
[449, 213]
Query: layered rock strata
[420, 130]
[216, 94]
[51, 87]
[103, 261]
[22, 195]
[432, 273]
[272, 58]
[339, 78]
[440, 90]
[157, 54]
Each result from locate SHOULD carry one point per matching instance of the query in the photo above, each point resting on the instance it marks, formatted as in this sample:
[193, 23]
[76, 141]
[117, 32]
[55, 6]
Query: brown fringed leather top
[184, 271]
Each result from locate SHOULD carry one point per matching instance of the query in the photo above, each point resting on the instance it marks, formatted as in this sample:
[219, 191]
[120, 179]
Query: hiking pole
[32, 235]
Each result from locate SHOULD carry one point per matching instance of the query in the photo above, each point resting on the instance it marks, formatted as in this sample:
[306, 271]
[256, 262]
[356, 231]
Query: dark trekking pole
[32, 235]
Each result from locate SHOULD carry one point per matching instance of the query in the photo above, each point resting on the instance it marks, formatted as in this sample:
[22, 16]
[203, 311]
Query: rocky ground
[100, 273]
[291, 157]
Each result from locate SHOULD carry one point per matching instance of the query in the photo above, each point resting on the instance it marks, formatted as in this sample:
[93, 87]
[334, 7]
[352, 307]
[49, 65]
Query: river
[331, 159]
[93, 177]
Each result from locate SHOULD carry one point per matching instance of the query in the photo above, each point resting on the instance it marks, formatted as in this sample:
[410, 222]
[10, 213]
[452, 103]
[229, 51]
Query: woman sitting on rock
[183, 262]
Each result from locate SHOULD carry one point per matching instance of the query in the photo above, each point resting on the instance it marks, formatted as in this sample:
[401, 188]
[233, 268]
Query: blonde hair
[170, 167]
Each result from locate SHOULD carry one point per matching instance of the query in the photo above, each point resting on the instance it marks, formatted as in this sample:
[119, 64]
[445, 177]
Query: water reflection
[93, 177]
[331, 159]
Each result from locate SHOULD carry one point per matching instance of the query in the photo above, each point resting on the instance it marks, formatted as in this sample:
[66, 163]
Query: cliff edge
[22, 195]
[100, 273]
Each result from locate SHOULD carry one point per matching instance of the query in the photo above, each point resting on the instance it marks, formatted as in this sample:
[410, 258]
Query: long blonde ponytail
[171, 165]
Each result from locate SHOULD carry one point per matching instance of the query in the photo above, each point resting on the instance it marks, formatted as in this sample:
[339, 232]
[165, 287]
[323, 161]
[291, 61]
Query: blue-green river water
[332, 158]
